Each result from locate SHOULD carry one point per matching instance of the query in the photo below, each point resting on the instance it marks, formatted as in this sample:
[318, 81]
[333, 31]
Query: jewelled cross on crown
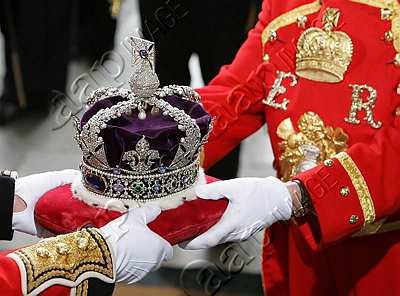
[143, 81]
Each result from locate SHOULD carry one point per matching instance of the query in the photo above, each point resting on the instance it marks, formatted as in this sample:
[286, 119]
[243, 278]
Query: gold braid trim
[360, 185]
[65, 260]
[374, 3]
[82, 289]
[289, 18]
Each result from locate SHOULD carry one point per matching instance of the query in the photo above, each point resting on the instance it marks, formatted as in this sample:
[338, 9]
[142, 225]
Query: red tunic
[320, 255]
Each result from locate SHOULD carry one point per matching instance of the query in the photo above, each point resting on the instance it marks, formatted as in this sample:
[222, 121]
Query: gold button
[266, 58]
[386, 14]
[62, 249]
[42, 252]
[353, 219]
[396, 60]
[344, 191]
[301, 21]
[389, 36]
[82, 243]
[397, 113]
[328, 162]
[273, 35]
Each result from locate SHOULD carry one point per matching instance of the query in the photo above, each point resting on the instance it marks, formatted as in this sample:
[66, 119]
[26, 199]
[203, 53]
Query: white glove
[30, 189]
[254, 204]
[137, 250]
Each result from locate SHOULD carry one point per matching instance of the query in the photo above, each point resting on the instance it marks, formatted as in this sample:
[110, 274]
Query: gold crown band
[140, 187]
[320, 70]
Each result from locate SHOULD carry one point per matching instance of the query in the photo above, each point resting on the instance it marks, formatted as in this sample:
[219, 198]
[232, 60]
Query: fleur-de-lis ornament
[142, 158]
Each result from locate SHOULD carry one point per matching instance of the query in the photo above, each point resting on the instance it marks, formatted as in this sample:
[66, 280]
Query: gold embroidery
[396, 60]
[302, 21]
[313, 144]
[374, 3]
[324, 55]
[278, 89]
[289, 18]
[358, 105]
[396, 27]
[66, 257]
[82, 289]
[390, 9]
[292, 16]
[360, 185]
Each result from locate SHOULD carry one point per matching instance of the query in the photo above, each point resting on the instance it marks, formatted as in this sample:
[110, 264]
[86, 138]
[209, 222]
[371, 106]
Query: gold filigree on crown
[311, 145]
[324, 55]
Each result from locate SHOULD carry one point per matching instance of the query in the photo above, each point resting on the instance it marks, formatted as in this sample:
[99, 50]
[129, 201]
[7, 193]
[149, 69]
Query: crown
[322, 54]
[142, 144]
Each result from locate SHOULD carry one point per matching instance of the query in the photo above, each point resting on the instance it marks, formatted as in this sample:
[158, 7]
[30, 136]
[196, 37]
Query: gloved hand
[254, 204]
[30, 189]
[137, 249]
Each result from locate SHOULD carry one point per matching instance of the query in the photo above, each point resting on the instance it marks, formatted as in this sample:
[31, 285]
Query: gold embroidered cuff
[65, 260]
[360, 185]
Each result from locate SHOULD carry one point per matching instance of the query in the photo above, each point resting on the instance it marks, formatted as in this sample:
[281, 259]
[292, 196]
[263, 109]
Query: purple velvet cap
[123, 133]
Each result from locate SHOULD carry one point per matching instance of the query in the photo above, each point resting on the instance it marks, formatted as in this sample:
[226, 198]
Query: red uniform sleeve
[10, 280]
[234, 97]
[62, 265]
[356, 190]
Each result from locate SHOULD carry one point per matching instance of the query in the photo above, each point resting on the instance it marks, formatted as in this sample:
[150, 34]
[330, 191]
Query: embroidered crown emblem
[322, 54]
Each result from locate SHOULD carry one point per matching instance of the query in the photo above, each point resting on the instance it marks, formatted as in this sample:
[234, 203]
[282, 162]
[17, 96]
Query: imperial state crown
[141, 145]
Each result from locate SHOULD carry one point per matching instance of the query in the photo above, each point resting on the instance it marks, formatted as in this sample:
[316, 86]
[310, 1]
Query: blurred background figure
[214, 30]
[36, 35]
[93, 29]
[40, 38]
